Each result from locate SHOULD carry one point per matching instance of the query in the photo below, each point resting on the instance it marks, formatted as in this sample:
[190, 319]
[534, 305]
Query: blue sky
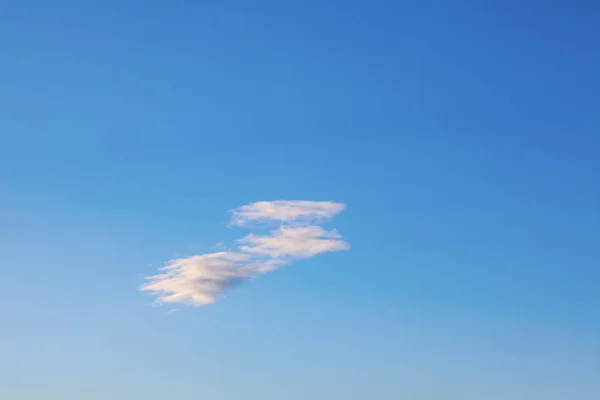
[462, 138]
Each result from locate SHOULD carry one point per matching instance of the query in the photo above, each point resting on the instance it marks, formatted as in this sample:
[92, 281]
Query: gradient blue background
[463, 136]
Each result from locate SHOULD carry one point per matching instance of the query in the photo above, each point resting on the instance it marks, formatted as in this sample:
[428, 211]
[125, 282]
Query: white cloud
[200, 279]
[286, 211]
[300, 242]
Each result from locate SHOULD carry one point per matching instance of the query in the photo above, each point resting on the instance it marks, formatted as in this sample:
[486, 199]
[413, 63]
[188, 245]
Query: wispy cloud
[297, 242]
[286, 211]
[199, 280]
